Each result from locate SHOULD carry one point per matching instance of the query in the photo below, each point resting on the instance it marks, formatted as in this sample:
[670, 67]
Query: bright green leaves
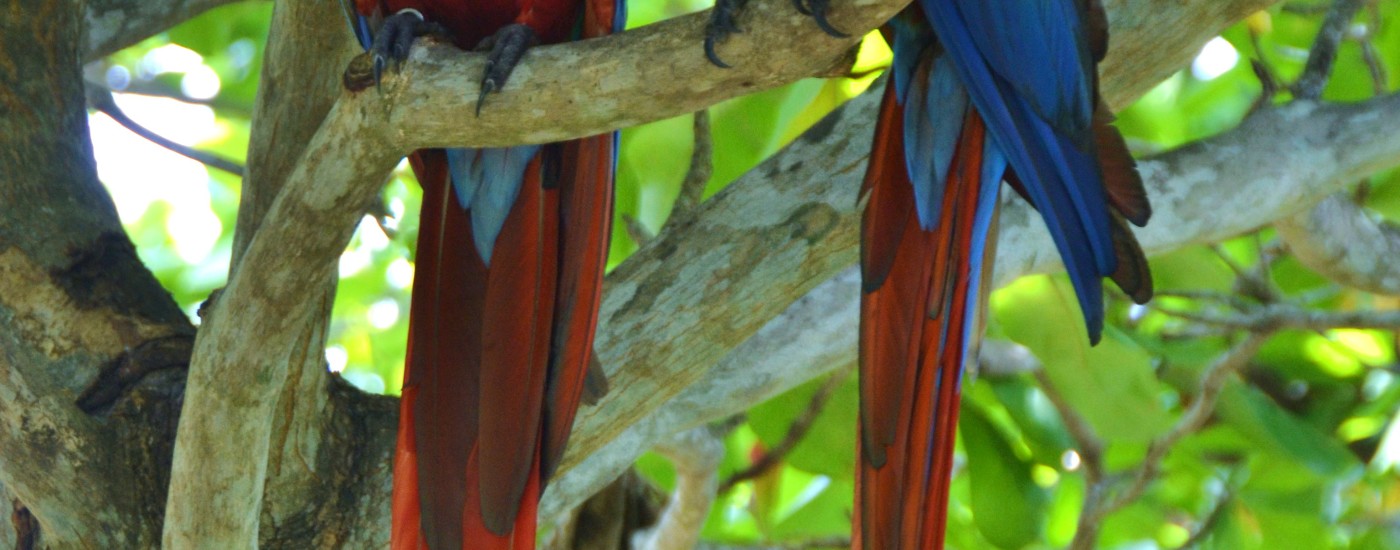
[1111, 384]
[1007, 505]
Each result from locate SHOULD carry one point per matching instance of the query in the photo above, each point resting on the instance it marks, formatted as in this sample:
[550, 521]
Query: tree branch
[116, 24]
[309, 453]
[76, 304]
[1344, 242]
[1268, 161]
[697, 296]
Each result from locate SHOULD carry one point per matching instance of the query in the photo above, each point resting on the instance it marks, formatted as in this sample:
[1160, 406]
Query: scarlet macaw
[512, 245]
[981, 91]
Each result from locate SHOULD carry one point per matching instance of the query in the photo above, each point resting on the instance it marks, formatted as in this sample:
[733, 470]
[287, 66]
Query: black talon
[802, 7]
[395, 38]
[507, 46]
[721, 25]
[818, 13]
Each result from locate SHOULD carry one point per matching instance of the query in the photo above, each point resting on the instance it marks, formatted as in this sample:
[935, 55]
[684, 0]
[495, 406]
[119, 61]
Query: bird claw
[722, 23]
[395, 38]
[817, 9]
[719, 28]
[507, 47]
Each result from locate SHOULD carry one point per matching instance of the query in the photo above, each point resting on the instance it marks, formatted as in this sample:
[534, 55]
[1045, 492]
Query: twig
[1217, 510]
[1324, 50]
[1287, 316]
[1380, 81]
[636, 230]
[1090, 449]
[1097, 501]
[795, 433]
[696, 455]
[698, 175]
[1212, 383]
[101, 100]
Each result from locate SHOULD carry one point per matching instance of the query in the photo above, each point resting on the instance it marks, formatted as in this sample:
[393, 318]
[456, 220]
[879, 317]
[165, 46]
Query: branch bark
[1276, 162]
[77, 308]
[1345, 243]
[116, 24]
[318, 444]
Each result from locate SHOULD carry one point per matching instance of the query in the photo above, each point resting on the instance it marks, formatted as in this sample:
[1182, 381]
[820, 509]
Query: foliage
[1302, 452]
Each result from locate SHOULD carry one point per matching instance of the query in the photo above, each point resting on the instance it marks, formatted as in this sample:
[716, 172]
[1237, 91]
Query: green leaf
[1111, 384]
[829, 445]
[1275, 431]
[820, 509]
[1007, 505]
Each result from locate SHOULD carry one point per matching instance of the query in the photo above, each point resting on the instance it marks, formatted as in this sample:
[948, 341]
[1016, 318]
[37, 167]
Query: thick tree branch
[77, 304]
[591, 87]
[671, 312]
[116, 24]
[296, 90]
[306, 456]
[1344, 242]
[1275, 163]
[241, 358]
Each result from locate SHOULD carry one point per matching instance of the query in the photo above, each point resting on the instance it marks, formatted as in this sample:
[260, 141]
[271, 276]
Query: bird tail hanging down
[920, 323]
[942, 147]
[498, 353]
[511, 252]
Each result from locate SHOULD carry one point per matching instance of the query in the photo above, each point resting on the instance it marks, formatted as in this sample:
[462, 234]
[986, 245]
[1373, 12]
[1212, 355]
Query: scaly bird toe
[719, 28]
[396, 37]
[722, 23]
[507, 46]
[817, 9]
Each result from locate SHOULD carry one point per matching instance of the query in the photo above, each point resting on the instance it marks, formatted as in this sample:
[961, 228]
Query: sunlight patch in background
[138, 173]
[199, 82]
[1217, 57]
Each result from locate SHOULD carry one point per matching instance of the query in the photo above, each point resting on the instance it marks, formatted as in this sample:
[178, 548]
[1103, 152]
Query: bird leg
[396, 36]
[507, 46]
[722, 23]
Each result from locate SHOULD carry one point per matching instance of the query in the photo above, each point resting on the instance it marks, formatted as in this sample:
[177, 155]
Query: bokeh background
[1302, 453]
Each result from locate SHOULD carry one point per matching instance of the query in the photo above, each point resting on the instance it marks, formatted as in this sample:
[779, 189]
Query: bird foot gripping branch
[389, 46]
[722, 23]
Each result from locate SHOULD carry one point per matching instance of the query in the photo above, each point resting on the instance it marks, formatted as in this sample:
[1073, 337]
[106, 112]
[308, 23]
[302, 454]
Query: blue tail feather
[487, 182]
[1062, 179]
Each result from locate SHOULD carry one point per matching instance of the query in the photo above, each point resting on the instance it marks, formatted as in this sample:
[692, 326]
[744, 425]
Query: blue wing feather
[1041, 49]
[1023, 65]
[931, 134]
[358, 24]
[934, 103]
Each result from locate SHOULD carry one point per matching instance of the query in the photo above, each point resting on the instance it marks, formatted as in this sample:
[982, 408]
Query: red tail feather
[913, 320]
[497, 356]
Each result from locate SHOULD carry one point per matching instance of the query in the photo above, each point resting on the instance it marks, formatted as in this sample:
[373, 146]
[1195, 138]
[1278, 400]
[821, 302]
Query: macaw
[981, 91]
[512, 244]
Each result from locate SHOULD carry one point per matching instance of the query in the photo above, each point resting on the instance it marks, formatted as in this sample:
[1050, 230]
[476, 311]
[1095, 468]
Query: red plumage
[914, 313]
[498, 353]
